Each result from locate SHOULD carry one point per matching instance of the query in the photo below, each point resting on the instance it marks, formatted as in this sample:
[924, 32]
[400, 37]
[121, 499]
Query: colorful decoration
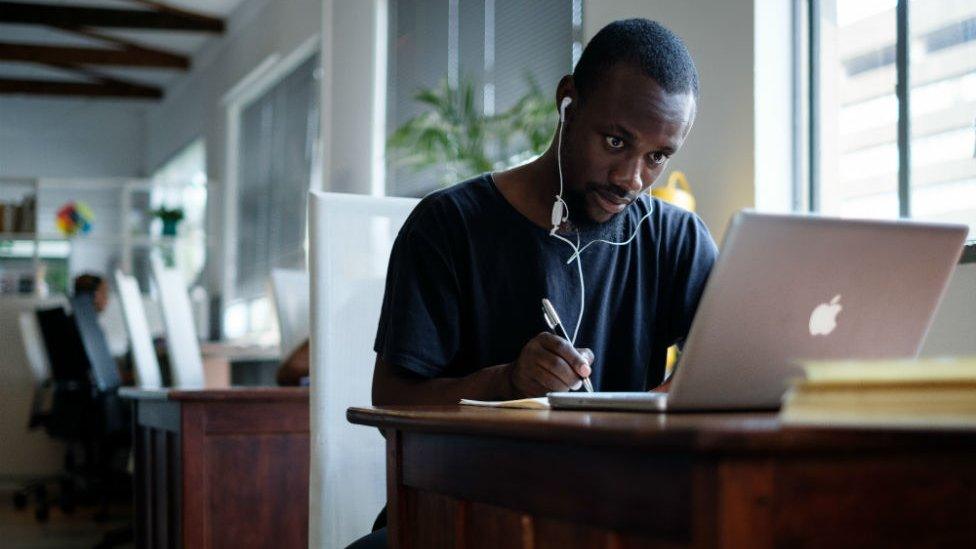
[74, 218]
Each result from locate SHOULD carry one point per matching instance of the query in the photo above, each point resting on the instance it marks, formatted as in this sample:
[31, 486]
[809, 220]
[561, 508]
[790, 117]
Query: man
[94, 285]
[462, 317]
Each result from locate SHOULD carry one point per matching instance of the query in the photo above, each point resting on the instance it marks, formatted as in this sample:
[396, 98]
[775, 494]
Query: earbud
[562, 107]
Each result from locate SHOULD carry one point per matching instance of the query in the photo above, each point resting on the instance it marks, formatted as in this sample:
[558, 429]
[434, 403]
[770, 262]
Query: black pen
[556, 325]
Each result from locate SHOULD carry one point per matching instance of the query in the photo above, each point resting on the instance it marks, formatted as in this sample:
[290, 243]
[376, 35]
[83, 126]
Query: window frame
[807, 50]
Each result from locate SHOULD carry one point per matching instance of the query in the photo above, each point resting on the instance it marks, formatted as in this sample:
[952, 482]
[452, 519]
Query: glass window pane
[858, 109]
[943, 108]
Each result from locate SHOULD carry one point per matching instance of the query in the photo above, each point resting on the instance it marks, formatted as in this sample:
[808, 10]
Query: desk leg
[140, 481]
[395, 502]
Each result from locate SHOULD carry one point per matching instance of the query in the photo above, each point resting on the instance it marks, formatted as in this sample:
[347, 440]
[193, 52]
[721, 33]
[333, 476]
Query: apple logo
[823, 320]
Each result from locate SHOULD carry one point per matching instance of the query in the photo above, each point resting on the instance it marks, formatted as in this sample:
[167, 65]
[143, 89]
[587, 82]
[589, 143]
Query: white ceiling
[185, 43]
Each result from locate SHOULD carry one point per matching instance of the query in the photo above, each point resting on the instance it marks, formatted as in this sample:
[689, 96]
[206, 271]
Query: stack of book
[901, 393]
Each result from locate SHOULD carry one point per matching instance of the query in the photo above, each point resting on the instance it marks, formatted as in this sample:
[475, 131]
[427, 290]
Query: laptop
[789, 288]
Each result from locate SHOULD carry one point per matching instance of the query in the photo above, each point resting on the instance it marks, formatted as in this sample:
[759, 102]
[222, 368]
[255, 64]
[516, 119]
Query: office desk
[474, 477]
[221, 467]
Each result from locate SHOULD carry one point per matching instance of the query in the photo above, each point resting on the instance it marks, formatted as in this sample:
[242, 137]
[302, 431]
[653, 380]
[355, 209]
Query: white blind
[278, 132]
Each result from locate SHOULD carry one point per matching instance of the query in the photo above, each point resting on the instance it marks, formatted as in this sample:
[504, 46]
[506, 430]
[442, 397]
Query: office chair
[61, 392]
[39, 414]
[86, 412]
[111, 420]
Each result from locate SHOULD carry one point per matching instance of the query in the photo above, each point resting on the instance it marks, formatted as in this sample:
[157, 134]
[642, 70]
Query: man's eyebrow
[617, 128]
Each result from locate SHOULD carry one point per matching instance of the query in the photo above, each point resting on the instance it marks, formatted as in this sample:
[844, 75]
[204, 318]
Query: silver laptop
[792, 287]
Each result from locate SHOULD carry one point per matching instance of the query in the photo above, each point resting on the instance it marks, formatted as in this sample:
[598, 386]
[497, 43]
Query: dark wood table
[221, 467]
[473, 477]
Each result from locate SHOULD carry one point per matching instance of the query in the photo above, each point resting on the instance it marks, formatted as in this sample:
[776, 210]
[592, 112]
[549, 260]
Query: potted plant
[454, 135]
[170, 218]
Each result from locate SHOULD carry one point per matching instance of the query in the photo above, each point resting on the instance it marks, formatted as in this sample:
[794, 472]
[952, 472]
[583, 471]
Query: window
[495, 46]
[867, 158]
[181, 182]
[277, 134]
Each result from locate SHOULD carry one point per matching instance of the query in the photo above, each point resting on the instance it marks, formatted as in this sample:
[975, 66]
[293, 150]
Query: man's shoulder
[447, 206]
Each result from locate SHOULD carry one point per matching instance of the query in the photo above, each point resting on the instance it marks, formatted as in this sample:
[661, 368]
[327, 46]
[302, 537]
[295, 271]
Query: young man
[462, 316]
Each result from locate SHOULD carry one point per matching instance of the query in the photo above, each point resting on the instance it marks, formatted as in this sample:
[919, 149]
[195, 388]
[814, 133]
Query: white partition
[351, 238]
[182, 345]
[134, 315]
[289, 287]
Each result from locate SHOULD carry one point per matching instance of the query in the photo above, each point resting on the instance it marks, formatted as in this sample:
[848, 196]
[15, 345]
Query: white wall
[257, 30]
[52, 137]
[720, 154]
[953, 330]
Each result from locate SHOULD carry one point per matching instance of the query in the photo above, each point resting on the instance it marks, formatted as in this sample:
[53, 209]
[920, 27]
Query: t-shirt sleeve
[694, 255]
[418, 326]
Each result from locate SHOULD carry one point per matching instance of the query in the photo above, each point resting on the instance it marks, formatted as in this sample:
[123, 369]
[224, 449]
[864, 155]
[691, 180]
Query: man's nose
[627, 175]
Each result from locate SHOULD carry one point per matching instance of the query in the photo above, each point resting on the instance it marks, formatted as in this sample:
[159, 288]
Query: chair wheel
[20, 500]
[42, 513]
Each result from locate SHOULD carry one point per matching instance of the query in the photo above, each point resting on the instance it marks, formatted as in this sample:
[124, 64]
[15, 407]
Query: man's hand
[549, 363]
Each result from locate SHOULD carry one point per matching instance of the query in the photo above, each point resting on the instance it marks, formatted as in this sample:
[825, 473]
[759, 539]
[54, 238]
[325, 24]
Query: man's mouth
[609, 201]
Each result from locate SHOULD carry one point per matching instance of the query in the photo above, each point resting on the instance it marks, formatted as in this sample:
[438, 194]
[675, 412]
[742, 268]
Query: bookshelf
[32, 248]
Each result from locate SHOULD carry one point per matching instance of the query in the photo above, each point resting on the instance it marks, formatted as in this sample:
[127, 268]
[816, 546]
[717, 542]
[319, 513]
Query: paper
[539, 403]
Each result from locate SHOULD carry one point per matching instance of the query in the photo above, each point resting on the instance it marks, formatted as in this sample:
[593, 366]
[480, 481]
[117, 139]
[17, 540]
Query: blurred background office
[177, 140]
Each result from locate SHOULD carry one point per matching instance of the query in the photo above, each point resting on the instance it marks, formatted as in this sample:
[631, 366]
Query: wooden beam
[180, 12]
[86, 89]
[130, 57]
[78, 16]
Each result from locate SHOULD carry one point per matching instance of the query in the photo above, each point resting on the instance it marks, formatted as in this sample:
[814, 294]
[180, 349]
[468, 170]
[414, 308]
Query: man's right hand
[549, 363]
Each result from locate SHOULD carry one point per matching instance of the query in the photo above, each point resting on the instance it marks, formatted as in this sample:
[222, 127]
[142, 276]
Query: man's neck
[531, 188]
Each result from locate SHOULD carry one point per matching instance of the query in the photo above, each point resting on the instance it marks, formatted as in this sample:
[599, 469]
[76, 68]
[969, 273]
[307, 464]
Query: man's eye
[614, 142]
[659, 158]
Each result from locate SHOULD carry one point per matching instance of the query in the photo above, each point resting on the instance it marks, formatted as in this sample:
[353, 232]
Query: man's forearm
[392, 386]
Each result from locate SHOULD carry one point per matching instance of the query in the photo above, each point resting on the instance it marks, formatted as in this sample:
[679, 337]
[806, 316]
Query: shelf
[135, 240]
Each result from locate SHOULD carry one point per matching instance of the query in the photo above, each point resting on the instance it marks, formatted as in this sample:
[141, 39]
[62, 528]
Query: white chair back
[289, 288]
[182, 346]
[351, 239]
[34, 349]
[134, 315]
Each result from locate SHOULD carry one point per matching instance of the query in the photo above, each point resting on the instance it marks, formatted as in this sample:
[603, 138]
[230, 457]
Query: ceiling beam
[129, 57]
[10, 86]
[180, 12]
[74, 16]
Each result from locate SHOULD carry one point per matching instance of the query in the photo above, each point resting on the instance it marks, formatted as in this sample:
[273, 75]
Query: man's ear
[566, 88]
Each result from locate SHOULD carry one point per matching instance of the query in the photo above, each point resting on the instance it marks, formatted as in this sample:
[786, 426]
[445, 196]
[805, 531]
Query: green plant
[170, 215]
[453, 134]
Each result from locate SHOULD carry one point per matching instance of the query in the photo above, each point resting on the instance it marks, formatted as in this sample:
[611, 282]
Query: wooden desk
[471, 477]
[221, 468]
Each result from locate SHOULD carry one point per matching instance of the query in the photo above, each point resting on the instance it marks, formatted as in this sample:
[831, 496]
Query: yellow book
[929, 393]
[960, 369]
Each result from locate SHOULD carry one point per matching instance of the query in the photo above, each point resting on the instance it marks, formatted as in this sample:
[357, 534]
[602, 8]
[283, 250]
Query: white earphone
[560, 214]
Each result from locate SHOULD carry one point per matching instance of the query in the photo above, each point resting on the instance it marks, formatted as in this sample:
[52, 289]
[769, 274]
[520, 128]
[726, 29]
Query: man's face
[618, 141]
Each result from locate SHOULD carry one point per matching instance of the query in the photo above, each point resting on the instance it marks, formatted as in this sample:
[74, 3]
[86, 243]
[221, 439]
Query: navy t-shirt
[468, 272]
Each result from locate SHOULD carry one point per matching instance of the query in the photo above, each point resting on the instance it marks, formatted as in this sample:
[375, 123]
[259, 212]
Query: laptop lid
[792, 287]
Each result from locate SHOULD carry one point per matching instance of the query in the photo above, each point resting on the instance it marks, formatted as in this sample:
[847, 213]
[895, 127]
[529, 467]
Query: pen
[556, 325]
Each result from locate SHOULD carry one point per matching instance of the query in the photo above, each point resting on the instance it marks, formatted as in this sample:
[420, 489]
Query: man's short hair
[646, 44]
[87, 283]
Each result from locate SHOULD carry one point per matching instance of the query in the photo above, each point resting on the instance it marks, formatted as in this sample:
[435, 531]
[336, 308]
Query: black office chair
[86, 412]
[62, 412]
[111, 415]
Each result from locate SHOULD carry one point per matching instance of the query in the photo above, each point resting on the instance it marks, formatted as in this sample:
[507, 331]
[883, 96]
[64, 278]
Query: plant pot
[169, 227]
